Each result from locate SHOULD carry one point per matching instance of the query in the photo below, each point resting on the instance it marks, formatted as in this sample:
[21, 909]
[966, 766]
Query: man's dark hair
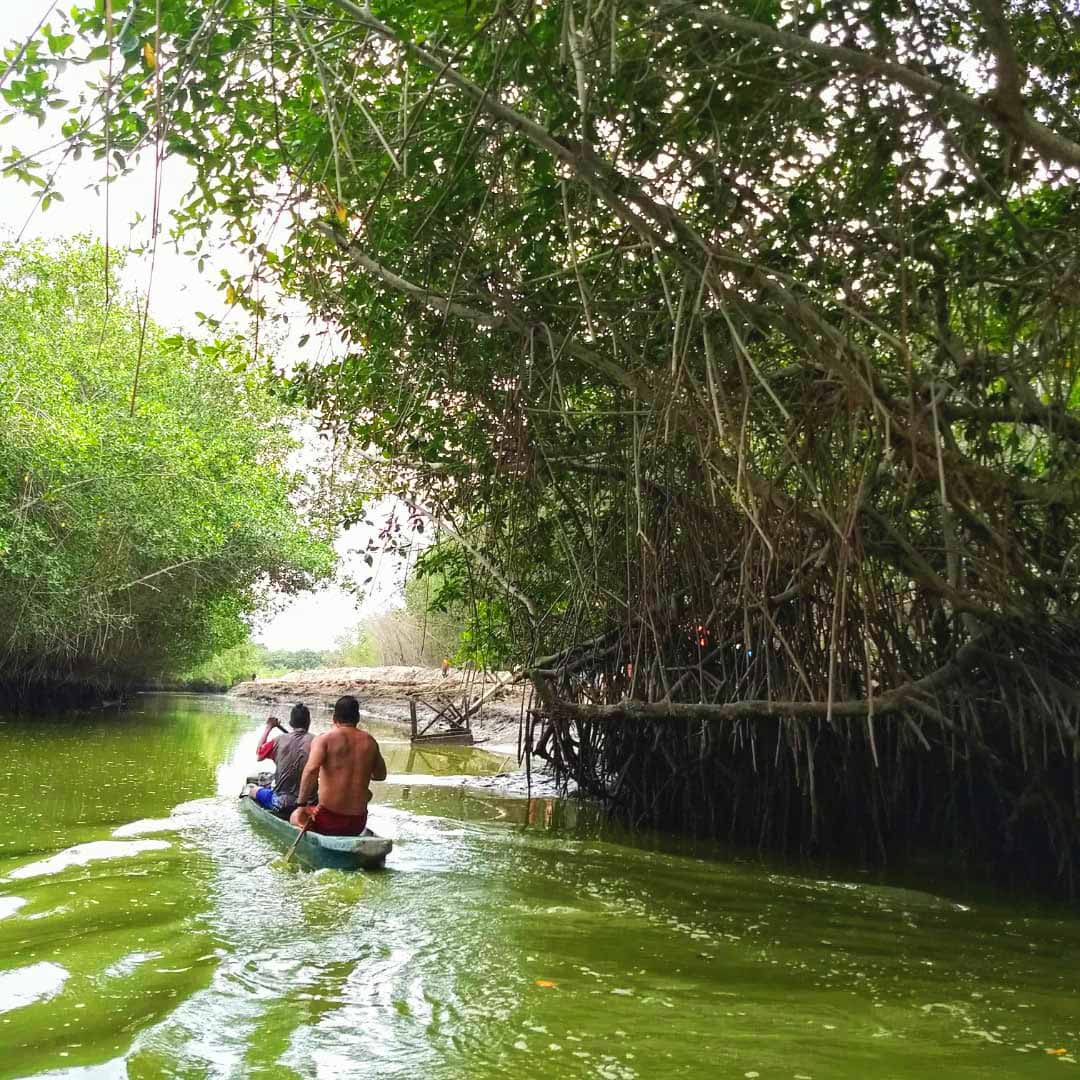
[347, 710]
[300, 717]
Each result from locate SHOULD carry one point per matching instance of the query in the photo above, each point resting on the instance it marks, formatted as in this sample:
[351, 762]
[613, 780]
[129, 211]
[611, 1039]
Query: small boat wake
[185, 816]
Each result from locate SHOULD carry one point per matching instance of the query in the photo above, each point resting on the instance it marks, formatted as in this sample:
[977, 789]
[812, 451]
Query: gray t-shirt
[290, 757]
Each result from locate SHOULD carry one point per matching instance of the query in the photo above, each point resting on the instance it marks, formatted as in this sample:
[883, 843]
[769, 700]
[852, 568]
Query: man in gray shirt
[289, 752]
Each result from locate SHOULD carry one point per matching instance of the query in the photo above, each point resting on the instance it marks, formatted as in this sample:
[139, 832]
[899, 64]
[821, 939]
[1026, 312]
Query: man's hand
[273, 722]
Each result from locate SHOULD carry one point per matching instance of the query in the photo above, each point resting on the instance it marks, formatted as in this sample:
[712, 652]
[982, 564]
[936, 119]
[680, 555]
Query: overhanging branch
[1004, 111]
[908, 695]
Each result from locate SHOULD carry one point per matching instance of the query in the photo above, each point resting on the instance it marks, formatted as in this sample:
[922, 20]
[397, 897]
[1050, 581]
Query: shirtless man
[342, 762]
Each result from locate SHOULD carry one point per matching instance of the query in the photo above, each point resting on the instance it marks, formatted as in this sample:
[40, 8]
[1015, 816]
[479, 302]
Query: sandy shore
[385, 692]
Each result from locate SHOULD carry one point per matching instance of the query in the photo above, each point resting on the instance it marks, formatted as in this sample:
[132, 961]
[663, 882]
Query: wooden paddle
[296, 842]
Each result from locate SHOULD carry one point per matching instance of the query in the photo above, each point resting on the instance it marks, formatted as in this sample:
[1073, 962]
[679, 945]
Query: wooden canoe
[363, 852]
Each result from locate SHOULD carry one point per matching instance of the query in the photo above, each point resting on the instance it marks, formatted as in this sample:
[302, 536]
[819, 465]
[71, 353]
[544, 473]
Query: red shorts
[331, 823]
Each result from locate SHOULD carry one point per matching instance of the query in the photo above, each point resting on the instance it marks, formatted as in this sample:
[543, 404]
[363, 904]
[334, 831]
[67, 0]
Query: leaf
[60, 43]
[230, 296]
[341, 214]
[546, 984]
[148, 55]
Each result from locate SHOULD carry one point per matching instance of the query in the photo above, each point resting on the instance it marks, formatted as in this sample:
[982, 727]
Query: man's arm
[309, 779]
[267, 747]
[378, 769]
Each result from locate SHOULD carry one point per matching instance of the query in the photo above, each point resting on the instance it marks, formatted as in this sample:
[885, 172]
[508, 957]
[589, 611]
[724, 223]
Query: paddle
[296, 842]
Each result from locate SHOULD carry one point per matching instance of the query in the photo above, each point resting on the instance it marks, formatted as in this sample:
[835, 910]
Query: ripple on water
[81, 854]
[35, 982]
[9, 905]
[127, 964]
[116, 1069]
[188, 815]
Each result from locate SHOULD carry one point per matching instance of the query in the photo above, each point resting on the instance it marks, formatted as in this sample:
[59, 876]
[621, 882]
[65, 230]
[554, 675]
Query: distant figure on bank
[445, 666]
[289, 752]
[342, 763]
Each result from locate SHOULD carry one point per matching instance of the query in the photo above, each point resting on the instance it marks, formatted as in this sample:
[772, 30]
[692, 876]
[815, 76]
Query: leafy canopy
[627, 285]
[132, 544]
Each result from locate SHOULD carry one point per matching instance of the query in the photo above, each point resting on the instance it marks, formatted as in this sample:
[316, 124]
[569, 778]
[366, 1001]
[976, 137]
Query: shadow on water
[147, 930]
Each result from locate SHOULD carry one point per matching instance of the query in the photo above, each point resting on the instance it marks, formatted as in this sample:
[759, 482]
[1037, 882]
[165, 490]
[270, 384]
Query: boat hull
[364, 852]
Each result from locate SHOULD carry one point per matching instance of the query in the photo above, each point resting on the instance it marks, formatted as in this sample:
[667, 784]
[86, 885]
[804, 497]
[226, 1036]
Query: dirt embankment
[385, 692]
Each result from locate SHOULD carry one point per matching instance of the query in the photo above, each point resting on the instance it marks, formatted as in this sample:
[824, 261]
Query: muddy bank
[385, 692]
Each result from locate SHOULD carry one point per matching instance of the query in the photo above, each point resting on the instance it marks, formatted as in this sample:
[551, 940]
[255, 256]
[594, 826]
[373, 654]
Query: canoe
[363, 852]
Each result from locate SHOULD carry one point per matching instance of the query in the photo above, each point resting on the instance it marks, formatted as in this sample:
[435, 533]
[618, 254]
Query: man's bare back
[342, 763]
[348, 760]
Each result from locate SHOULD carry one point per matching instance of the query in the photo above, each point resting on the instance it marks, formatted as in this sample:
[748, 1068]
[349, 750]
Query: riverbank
[69, 692]
[385, 692]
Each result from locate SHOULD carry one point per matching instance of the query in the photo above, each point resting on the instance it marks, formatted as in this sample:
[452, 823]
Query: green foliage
[133, 544]
[626, 287]
[354, 648]
[466, 625]
[225, 669]
[288, 659]
[433, 624]
[240, 662]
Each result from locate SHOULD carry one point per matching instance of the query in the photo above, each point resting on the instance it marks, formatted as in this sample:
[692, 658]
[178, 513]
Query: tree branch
[904, 696]
[440, 303]
[1008, 95]
[1005, 111]
[508, 320]
[1060, 423]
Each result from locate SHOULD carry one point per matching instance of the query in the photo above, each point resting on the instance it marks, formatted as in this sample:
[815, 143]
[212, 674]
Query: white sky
[314, 620]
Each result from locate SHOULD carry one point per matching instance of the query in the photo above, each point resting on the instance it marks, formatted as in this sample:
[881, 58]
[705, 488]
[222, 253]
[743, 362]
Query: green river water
[147, 931]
